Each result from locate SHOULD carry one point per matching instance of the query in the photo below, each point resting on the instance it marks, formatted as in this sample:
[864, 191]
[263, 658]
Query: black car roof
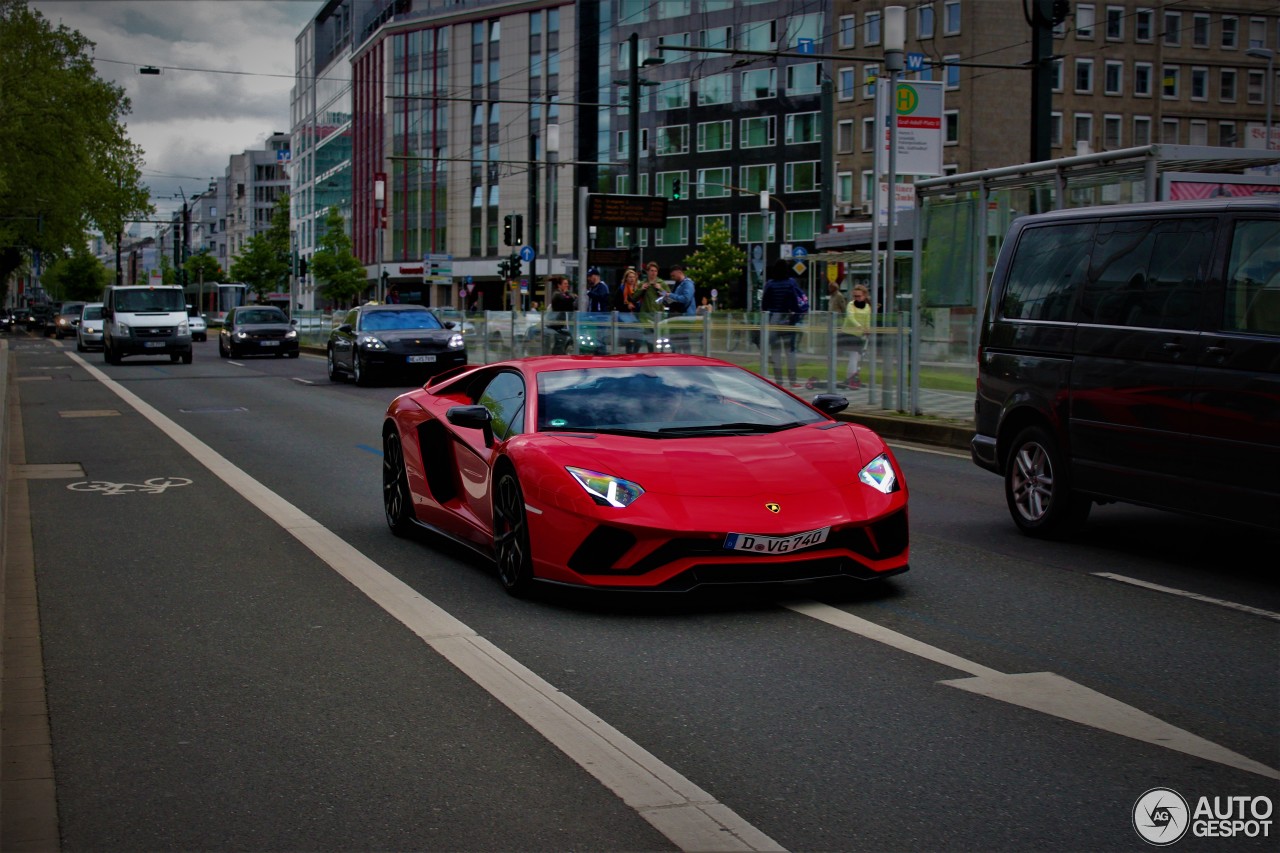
[1270, 203]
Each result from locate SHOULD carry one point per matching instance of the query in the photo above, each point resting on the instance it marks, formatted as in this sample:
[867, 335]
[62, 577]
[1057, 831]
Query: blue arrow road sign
[799, 252]
[526, 254]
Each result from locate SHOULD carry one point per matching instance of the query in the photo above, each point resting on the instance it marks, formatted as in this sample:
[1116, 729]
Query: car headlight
[456, 342]
[291, 334]
[879, 475]
[370, 342]
[241, 335]
[89, 330]
[125, 330]
[605, 489]
[183, 328]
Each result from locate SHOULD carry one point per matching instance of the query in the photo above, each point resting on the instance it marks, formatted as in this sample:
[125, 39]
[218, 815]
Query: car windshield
[150, 300]
[261, 315]
[92, 312]
[676, 401]
[386, 321]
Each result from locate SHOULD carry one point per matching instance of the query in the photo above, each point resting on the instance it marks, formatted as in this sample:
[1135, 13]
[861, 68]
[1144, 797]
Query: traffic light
[503, 267]
[302, 266]
[514, 266]
[513, 229]
[675, 190]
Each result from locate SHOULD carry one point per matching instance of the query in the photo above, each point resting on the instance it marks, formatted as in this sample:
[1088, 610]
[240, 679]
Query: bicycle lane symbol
[154, 486]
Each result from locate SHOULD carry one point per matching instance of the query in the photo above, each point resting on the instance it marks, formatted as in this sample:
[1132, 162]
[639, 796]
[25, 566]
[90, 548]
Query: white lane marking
[302, 381]
[688, 816]
[1045, 692]
[1243, 608]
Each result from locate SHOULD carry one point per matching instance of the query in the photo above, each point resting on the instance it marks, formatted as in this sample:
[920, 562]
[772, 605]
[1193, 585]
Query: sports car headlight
[370, 342]
[606, 489]
[291, 334]
[879, 475]
[456, 342]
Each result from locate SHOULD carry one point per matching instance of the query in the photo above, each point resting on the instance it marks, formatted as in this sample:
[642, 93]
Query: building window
[1227, 78]
[672, 9]
[801, 225]
[1084, 21]
[1199, 30]
[761, 178]
[717, 37]
[1257, 32]
[1169, 82]
[1141, 130]
[848, 26]
[800, 177]
[704, 222]
[1113, 78]
[1230, 32]
[1112, 135]
[1084, 76]
[1169, 131]
[714, 183]
[951, 17]
[1173, 29]
[803, 79]
[1199, 84]
[1055, 130]
[1144, 25]
[844, 137]
[803, 127]
[1055, 75]
[951, 71]
[759, 35]
[715, 89]
[756, 227]
[1115, 23]
[715, 135]
[1199, 132]
[1256, 80]
[673, 139]
[924, 21]
[760, 132]
[868, 133]
[1082, 135]
[759, 83]
[951, 129]
[871, 28]
[1142, 72]
[870, 74]
[847, 85]
[676, 232]
[1227, 134]
[673, 95]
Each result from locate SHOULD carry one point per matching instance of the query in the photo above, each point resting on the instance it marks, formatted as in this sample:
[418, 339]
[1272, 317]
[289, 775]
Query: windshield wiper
[591, 430]
[729, 429]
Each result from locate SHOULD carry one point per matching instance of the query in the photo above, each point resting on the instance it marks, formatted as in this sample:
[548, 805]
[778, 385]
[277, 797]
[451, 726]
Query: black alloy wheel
[1038, 487]
[511, 536]
[397, 502]
[358, 369]
[332, 365]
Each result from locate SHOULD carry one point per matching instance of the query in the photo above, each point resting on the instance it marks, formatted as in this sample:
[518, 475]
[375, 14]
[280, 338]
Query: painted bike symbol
[154, 486]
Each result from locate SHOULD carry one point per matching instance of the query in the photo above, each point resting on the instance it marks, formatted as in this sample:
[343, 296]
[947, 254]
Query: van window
[1148, 273]
[1046, 270]
[148, 300]
[1253, 278]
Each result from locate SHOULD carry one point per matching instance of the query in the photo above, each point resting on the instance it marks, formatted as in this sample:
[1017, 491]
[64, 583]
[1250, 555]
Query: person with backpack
[785, 304]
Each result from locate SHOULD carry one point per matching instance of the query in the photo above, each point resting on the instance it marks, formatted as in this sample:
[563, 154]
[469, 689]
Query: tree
[264, 263]
[67, 165]
[718, 264]
[203, 267]
[77, 276]
[340, 274]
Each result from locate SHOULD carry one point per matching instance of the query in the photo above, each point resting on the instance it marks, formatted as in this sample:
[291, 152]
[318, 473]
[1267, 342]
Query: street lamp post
[1270, 56]
[379, 206]
[895, 36]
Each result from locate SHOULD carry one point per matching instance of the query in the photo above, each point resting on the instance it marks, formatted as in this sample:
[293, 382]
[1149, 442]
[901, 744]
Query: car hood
[409, 335]
[264, 327]
[798, 460]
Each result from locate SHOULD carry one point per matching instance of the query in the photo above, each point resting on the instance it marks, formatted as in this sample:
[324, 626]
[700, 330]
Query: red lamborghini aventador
[656, 472]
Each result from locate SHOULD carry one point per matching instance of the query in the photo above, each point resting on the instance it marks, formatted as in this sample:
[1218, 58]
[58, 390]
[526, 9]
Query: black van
[1132, 353]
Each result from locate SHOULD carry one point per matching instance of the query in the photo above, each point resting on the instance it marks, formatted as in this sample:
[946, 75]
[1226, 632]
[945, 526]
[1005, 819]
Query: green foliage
[168, 275]
[77, 276]
[339, 273]
[718, 264]
[67, 165]
[203, 266]
[264, 263]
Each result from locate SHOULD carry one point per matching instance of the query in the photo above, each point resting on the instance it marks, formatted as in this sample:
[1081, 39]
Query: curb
[918, 430]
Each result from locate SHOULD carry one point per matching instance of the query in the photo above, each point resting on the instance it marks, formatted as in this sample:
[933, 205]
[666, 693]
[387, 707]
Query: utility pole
[1043, 15]
[633, 133]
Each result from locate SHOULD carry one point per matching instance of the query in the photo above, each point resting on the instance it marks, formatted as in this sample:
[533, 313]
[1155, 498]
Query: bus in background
[214, 299]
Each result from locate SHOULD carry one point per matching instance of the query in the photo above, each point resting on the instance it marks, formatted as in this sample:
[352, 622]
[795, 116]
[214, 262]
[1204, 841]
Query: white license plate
[775, 544]
[270, 343]
[421, 359]
[153, 343]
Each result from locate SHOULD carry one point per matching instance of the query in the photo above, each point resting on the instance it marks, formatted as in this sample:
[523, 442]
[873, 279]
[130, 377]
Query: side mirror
[472, 417]
[345, 328]
[830, 403]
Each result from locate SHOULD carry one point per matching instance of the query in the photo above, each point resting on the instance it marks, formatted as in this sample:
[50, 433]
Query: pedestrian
[680, 299]
[836, 303]
[781, 301]
[597, 292]
[627, 291]
[854, 329]
[650, 293]
[628, 301]
[706, 307]
[562, 302]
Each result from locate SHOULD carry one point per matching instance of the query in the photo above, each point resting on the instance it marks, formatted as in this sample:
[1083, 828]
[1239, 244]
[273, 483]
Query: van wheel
[1037, 487]
[187, 356]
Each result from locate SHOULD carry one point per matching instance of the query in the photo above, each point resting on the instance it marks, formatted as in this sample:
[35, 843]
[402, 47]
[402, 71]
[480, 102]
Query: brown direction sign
[635, 211]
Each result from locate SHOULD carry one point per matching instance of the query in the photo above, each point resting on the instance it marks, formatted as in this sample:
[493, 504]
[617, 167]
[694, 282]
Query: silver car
[89, 330]
[199, 328]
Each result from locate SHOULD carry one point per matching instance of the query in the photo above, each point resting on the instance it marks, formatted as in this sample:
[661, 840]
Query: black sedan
[393, 340]
[257, 330]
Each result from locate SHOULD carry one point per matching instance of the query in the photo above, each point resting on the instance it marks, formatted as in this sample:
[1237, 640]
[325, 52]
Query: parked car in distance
[89, 329]
[1132, 353]
[67, 318]
[646, 472]
[405, 341]
[257, 330]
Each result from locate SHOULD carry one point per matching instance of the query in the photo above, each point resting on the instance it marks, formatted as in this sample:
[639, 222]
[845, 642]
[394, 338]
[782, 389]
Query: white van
[145, 320]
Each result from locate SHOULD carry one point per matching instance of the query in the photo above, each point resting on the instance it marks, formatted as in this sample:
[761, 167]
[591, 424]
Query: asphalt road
[216, 679]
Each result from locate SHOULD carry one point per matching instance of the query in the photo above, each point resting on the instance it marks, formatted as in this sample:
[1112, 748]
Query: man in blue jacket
[681, 299]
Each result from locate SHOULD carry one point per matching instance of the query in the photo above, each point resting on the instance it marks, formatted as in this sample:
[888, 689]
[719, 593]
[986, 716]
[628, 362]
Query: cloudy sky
[227, 67]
